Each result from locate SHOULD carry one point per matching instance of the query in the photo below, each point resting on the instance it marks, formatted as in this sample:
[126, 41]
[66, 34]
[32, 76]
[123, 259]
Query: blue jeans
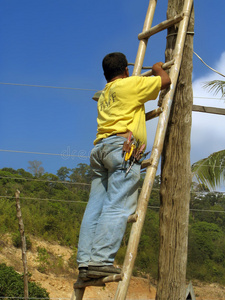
[113, 198]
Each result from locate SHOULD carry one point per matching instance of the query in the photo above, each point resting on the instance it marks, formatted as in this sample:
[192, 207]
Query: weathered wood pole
[176, 172]
[23, 246]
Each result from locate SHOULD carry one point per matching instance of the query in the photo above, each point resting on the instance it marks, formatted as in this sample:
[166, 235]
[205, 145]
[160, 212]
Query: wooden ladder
[150, 164]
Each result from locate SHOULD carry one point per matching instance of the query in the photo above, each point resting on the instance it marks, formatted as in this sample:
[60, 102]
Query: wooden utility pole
[23, 246]
[176, 172]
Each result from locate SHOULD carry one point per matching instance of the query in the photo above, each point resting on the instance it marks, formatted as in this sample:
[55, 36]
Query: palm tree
[210, 171]
[217, 86]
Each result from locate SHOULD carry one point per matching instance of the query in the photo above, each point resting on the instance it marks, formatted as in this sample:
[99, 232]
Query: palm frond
[216, 86]
[210, 171]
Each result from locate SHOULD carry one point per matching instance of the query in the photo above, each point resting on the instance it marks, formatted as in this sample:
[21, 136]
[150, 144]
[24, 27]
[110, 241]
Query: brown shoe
[83, 274]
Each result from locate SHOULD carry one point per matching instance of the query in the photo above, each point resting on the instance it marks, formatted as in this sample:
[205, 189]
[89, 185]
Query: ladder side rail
[78, 294]
[154, 159]
[143, 43]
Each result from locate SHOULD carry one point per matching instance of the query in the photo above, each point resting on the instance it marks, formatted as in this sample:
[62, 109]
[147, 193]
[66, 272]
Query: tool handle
[128, 154]
[129, 137]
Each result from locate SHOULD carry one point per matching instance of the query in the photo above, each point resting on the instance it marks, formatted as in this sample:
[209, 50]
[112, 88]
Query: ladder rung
[132, 218]
[165, 66]
[153, 113]
[210, 110]
[98, 282]
[161, 26]
[146, 163]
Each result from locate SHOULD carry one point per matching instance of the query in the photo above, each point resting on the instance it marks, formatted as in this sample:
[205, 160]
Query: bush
[43, 259]
[16, 240]
[12, 285]
[72, 262]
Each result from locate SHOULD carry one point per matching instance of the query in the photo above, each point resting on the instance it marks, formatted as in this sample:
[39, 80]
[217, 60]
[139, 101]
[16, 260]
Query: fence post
[23, 246]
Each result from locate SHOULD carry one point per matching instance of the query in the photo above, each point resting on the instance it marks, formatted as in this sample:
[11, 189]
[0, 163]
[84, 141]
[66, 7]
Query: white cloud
[207, 129]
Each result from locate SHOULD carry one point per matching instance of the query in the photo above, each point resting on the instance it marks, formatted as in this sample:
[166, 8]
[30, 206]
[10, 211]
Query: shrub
[16, 240]
[11, 284]
[43, 259]
[72, 262]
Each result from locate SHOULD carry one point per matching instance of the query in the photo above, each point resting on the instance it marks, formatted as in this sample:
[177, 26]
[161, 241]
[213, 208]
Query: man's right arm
[157, 70]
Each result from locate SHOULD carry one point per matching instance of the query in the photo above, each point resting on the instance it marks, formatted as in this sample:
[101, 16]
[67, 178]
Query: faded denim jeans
[113, 198]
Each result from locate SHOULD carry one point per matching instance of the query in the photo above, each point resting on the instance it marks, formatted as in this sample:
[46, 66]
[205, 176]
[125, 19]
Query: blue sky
[61, 43]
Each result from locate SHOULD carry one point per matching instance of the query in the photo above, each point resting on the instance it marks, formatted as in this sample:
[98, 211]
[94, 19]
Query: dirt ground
[61, 285]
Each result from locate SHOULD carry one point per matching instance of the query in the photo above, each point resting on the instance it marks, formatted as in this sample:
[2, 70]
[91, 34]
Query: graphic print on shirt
[105, 103]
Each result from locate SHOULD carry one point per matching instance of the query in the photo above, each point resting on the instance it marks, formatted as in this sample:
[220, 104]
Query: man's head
[114, 64]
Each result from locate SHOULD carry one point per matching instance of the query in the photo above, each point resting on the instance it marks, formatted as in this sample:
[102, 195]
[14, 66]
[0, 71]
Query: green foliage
[147, 259]
[216, 86]
[43, 259]
[202, 236]
[72, 262]
[12, 285]
[210, 171]
[82, 173]
[59, 219]
[63, 173]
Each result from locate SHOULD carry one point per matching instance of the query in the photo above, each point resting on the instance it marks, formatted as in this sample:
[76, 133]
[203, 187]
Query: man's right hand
[157, 70]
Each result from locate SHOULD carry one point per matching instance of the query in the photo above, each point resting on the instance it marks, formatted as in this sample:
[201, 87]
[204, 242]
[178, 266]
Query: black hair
[114, 64]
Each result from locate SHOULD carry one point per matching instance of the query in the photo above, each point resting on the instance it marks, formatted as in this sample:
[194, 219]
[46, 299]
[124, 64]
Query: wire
[93, 90]
[44, 180]
[193, 209]
[80, 89]
[83, 202]
[32, 298]
[208, 65]
[50, 298]
[82, 183]
[47, 86]
[40, 199]
[66, 155]
[41, 153]
[211, 98]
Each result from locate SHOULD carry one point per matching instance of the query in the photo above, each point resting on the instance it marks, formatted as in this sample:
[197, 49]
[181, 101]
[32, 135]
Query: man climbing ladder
[152, 163]
[113, 196]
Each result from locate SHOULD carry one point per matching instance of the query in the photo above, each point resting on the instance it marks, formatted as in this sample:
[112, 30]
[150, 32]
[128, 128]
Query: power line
[208, 65]
[83, 183]
[211, 98]
[67, 155]
[45, 199]
[77, 89]
[193, 209]
[45, 180]
[94, 90]
[61, 298]
[83, 202]
[47, 86]
[42, 153]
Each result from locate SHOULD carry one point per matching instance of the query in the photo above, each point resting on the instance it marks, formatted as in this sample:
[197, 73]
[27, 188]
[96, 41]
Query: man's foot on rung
[106, 268]
[102, 271]
[83, 274]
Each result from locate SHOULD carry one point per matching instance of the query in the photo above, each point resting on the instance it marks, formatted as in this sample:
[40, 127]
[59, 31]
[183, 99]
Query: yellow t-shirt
[121, 106]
